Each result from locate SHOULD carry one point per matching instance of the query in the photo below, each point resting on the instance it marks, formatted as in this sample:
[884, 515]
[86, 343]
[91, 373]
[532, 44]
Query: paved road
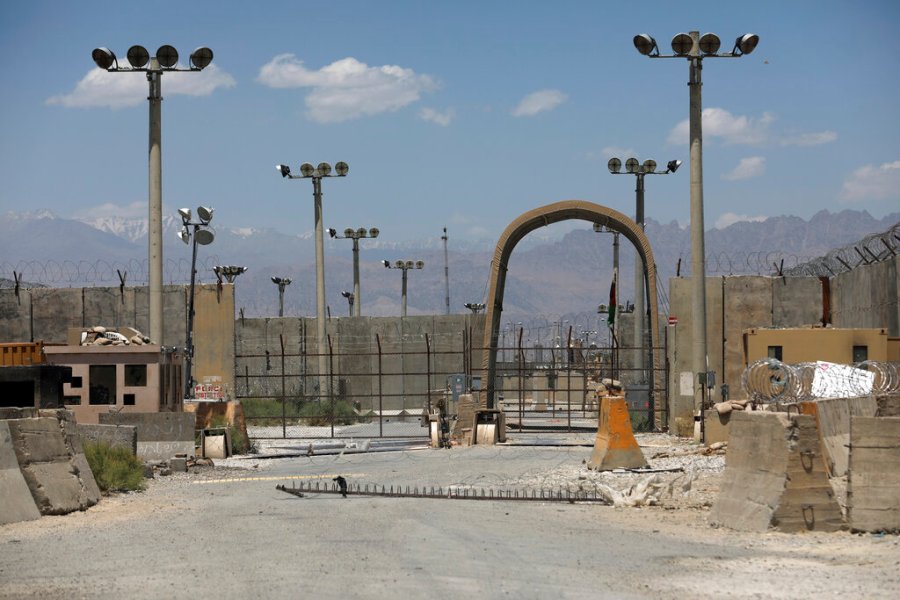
[212, 535]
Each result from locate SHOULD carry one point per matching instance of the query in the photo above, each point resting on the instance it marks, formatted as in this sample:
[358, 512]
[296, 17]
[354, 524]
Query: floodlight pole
[356, 298]
[403, 295]
[154, 227]
[189, 344]
[446, 273]
[320, 284]
[639, 282]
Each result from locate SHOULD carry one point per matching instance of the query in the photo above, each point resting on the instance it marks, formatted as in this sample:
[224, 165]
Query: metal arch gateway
[541, 217]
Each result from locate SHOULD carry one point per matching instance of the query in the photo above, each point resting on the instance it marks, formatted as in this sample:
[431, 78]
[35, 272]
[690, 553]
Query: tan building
[810, 344]
[118, 379]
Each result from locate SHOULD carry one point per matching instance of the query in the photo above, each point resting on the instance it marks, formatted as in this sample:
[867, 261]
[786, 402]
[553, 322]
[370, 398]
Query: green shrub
[322, 413]
[115, 468]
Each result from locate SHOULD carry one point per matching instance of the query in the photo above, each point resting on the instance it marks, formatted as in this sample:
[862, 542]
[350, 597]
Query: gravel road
[226, 532]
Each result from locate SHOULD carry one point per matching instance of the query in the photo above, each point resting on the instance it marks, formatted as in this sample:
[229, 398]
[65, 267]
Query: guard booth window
[102, 384]
[775, 352]
[860, 353]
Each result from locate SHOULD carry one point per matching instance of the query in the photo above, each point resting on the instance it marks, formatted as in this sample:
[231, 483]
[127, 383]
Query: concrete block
[873, 484]
[833, 423]
[775, 476]
[888, 405]
[160, 436]
[716, 426]
[178, 465]
[59, 479]
[124, 436]
[16, 502]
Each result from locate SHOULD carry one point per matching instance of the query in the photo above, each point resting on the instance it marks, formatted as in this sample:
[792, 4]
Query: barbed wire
[871, 249]
[769, 380]
[102, 272]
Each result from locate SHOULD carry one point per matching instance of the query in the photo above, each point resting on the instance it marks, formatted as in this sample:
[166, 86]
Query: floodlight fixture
[420, 264]
[632, 165]
[201, 58]
[104, 58]
[341, 168]
[475, 307]
[745, 44]
[649, 166]
[347, 294]
[185, 214]
[373, 232]
[399, 264]
[331, 232]
[284, 170]
[167, 56]
[682, 44]
[645, 44]
[205, 213]
[204, 237]
[361, 232]
[710, 43]
[230, 272]
[323, 170]
[614, 165]
[184, 235]
[281, 280]
[386, 263]
[138, 57]
[672, 166]
[307, 170]
[350, 232]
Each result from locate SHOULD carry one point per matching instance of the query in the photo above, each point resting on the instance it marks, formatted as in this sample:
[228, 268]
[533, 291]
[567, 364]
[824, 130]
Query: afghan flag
[613, 301]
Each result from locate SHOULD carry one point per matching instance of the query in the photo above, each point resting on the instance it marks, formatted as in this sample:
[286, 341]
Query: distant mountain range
[548, 278]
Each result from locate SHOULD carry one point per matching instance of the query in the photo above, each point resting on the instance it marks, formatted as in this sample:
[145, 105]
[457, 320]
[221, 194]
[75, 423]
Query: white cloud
[873, 182]
[623, 153]
[731, 218]
[537, 102]
[135, 210]
[732, 129]
[809, 139]
[753, 166]
[435, 116]
[121, 90]
[347, 89]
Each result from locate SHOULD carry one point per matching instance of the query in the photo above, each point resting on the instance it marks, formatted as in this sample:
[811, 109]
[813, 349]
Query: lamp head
[373, 232]
[673, 165]
[386, 263]
[614, 165]
[276, 280]
[349, 232]
[184, 235]
[347, 295]
[645, 44]
[632, 165]
[205, 214]
[709, 43]
[362, 232]
[138, 57]
[283, 169]
[307, 170]
[649, 166]
[341, 168]
[324, 169]
[201, 57]
[420, 264]
[682, 44]
[204, 237]
[104, 58]
[399, 264]
[331, 232]
[185, 215]
[745, 44]
[167, 56]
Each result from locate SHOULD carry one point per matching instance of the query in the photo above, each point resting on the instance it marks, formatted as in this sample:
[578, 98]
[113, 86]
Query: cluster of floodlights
[203, 235]
[404, 264]
[635, 167]
[229, 272]
[307, 170]
[475, 307]
[354, 234]
[139, 58]
[682, 45]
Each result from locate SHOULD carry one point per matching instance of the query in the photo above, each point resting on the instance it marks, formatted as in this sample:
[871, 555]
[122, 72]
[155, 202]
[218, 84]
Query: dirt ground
[226, 532]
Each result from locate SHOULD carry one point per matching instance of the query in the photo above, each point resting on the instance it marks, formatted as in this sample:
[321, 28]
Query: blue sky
[459, 114]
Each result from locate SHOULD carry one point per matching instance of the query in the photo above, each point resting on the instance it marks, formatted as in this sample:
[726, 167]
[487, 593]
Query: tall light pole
[281, 282]
[307, 171]
[446, 273]
[199, 233]
[695, 48]
[166, 59]
[404, 265]
[613, 307]
[355, 235]
[639, 170]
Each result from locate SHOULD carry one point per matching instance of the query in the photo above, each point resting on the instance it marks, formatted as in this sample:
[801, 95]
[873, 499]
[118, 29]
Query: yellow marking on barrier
[280, 478]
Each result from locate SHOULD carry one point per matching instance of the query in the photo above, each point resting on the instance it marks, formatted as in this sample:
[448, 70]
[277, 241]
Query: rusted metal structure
[541, 217]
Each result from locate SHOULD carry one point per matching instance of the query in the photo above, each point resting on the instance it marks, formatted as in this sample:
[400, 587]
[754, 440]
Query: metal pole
[446, 273]
[698, 267]
[189, 344]
[356, 297]
[281, 299]
[639, 283]
[154, 233]
[403, 295]
[320, 286]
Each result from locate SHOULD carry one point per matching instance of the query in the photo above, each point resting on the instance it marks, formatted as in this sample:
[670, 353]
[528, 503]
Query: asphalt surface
[228, 533]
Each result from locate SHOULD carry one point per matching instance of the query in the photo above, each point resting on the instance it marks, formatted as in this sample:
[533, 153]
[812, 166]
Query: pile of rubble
[98, 335]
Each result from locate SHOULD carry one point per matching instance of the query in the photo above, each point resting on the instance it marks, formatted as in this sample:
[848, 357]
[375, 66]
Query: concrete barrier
[775, 476]
[60, 481]
[160, 436]
[16, 502]
[833, 422]
[615, 446]
[122, 436]
[873, 485]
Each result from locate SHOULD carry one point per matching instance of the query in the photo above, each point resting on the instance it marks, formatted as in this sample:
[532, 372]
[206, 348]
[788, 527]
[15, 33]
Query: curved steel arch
[541, 217]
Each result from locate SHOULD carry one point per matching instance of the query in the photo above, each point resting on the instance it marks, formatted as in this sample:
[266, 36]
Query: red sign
[673, 320]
